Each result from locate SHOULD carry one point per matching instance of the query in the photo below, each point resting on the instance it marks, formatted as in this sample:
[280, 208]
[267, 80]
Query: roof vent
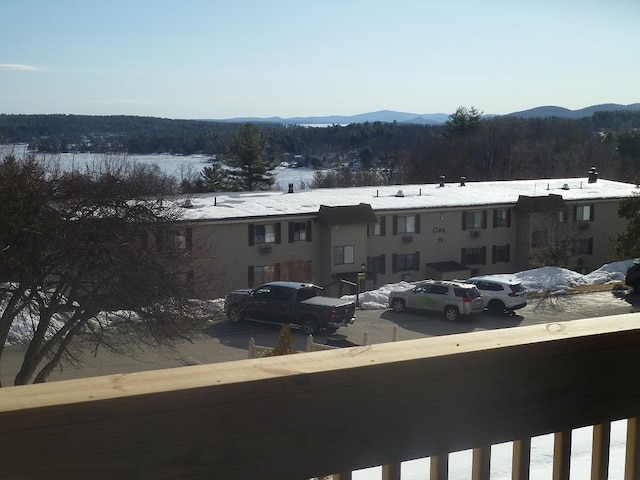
[187, 203]
[565, 186]
[463, 181]
[442, 177]
[593, 175]
[290, 188]
[400, 193]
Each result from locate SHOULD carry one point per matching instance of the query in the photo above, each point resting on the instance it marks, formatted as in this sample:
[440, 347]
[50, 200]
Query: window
[376, 228]
[376, 264]
[501, 253]
[343, 255]
[299, 231]
[263, 274]
[406, 224]
[474, 256]
[406, 262]
[583, 213]
[501, 217]
[475, 219]
[583, 246]
[265, 234]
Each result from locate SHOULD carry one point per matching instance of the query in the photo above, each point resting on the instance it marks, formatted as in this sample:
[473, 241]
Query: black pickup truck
[301, 305]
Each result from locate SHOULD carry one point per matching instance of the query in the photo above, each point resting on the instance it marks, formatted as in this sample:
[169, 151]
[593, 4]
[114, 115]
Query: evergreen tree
[626, 243]
[214, 178]
[250, 167]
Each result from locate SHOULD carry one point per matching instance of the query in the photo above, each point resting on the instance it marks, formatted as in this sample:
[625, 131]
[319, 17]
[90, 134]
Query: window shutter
[394, 263]
[276, 271]
[575, 212]
[484, 255]
[508, 252]
[250, 276]
[591, 212]
[278, 232]
[590, 248]
[495, 218]
[395, 224]
[383, 264]
[291, 232]
[493, 253]
[308, 232]
[416, 261]
[464, 220]
[252, 236]
[383, 225]
[463, 256]
[508, 217]
[484, 219]
[417, 223]
[188, 238]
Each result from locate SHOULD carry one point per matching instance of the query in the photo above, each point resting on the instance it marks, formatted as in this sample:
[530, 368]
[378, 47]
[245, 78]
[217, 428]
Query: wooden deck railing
[335, 411]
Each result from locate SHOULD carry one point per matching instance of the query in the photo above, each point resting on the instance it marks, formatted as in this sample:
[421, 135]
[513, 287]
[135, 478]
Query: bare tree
[553, 239]
[80, 249]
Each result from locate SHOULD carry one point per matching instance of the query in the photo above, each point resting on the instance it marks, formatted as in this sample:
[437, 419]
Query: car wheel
[496, 307]
[309, 326]
[235, 314]
[398, 305]
[451, 313]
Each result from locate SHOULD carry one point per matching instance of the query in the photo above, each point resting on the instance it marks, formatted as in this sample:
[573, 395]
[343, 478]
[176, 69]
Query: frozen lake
[176, 165]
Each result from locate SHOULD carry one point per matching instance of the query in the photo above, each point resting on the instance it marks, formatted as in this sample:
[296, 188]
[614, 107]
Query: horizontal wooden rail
[299, 416]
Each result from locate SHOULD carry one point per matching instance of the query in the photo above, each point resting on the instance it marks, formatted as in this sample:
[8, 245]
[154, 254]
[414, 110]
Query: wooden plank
[600, 451]
[439, 467]
[300, 416]
[391, 471]
[521, 463]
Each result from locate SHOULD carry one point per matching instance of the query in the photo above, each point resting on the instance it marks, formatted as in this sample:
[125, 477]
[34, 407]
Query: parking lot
[224, 341]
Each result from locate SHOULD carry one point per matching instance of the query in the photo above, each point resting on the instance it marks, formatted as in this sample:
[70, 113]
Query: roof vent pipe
[593, 175]
[400, 193]
[442, 177]
[463, 181]
[290, 188]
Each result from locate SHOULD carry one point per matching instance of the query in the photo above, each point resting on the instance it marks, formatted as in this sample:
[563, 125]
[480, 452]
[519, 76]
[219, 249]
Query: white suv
[501, 294]
[453, 298]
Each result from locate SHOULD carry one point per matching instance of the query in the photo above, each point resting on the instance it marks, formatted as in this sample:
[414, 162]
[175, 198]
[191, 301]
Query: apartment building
[392, 233]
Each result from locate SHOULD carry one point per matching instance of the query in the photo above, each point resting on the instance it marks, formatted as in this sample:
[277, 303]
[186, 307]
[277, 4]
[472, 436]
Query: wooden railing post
[481, 466]
[600, 451]
[391, 471]
[521, 459]
[632, 456]
[561, 455]
[439, 468]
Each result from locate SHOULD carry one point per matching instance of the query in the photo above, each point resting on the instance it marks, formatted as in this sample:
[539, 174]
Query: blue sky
[224, 59]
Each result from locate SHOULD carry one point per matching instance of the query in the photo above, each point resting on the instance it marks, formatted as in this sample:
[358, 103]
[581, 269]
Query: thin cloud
[120, 102]
[18, 67]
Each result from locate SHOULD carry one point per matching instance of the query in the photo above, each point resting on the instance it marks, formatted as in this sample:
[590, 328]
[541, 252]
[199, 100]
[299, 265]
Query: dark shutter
[508, 217]
[484, 219]
[484, 255]
[416, 261]
[383, 225]
[250, 276]
[278, 232]
[464, 220]
[188, 238]
[395, 224]
[276, 271]
[308, 232]
[463, 256]
[575, 212]
[252, 235]
[291, 229]
[590, 247]
[592, 212]
[507, 252]
[494, 249]
[417, 221]
[383, 264]
[394, 263]
[495, 218]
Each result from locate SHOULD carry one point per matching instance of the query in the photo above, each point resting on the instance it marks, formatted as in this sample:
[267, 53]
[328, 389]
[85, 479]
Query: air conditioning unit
[407, 239]
[265, 249]
[475, 233]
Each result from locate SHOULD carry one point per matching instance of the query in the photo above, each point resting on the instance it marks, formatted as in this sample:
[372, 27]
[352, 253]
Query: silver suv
[450, 297]
[501, 294]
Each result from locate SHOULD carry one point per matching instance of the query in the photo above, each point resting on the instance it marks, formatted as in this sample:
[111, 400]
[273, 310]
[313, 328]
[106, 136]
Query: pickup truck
[301, 305]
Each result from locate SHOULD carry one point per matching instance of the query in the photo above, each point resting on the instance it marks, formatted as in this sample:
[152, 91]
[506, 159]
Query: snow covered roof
[237, 205]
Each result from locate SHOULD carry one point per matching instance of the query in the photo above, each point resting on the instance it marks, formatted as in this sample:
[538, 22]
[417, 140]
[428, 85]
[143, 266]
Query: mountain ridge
[389, 116]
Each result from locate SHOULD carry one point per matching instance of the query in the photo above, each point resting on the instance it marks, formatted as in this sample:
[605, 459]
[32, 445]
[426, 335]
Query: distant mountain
[389, 116]
[551, 111]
